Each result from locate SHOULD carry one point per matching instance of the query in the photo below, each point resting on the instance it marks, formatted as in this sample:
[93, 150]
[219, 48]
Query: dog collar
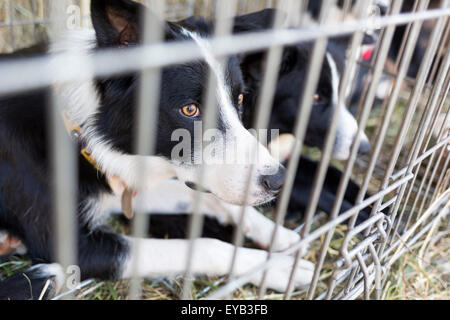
[75, 132]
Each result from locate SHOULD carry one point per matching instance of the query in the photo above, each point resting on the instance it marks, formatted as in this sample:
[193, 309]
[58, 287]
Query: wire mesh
[406, 174]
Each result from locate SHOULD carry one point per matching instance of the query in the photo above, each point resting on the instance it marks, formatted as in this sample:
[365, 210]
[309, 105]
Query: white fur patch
[347, 125]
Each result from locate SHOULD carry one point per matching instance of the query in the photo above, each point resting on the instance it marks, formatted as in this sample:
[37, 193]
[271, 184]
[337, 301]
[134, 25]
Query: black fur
[301, 192]
[28, 285]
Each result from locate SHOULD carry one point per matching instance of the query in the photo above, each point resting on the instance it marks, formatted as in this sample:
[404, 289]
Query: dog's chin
[196, 187]
[252, 201]
[268, 201]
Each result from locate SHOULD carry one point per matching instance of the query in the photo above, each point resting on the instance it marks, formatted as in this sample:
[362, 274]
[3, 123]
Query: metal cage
[407, 171]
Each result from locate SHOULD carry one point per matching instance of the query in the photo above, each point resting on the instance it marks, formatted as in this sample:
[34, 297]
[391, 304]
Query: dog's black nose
[273, 182]
[364, 146]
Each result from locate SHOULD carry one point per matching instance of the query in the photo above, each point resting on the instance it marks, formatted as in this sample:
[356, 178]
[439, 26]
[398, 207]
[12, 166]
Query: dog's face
[287, 99]
[181, 136]
[290, 84]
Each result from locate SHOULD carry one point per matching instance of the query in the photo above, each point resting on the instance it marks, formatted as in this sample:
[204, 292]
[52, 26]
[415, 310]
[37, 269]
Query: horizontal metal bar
[30, 74]
[444, 197]
[35, 21]
[397, 243]
[419, 160]
[387, 204]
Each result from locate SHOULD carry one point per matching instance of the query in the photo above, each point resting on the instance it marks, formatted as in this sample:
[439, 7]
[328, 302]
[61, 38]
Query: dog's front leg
[259, 228]
[172, 197]
[156, 258]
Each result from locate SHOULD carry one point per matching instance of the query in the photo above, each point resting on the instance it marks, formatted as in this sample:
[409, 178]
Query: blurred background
[22, 22]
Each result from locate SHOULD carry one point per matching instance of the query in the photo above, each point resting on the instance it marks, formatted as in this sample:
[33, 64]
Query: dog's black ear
[289, 60]
[346, 40]
[116, 22]
[252, 65]
[261, 20]
[200, 25]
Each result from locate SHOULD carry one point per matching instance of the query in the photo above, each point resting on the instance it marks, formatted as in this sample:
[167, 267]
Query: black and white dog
[292, 76]
[287, 97]
[105, 110]
[285, 108]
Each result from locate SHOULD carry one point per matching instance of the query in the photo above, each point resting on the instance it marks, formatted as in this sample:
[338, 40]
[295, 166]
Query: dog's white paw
[285, 239]
[260, 229]
[280, 271]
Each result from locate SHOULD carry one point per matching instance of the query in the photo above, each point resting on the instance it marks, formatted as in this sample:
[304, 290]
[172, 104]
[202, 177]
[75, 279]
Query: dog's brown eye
[241, 98]
[191, 110]
[316, 98]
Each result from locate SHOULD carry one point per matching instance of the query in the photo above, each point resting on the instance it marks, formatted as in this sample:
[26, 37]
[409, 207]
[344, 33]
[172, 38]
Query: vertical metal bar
[425, 123]
[440, 136]
[264, 107]
[146, 119]
[11, 24]
[84, 8]
[440, 53]
[191, 5]
[390, 108]
[437, 111]
[331, 135]
[368, 101]
[442, 175]
[331, 284]
[347, 8]
[315, 66]
[351, 279]
[412, 105]
[366, 274]
[430, 182]
[405, 38]
[416, 94]
[223, 27]
[378, 271]
[34, 17]
[396, 66]
[64, 165]
[430, 130]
